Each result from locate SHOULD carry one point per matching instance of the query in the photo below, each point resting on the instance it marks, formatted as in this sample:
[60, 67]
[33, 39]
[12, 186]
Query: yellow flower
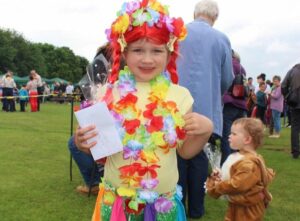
[178, 119]
[158, 138]
[121, 25]
[153, 4]
[159, 91]
[109, 197]
[124, 191]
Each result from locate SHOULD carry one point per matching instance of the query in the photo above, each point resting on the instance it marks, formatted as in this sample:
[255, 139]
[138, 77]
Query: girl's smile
[146, 59]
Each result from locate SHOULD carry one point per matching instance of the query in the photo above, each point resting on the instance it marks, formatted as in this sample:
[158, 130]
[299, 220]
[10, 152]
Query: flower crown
[136, 13]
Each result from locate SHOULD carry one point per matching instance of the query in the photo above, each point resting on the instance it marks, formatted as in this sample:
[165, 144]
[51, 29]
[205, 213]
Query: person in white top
[39, 83]
[69, 90]
[8, 84]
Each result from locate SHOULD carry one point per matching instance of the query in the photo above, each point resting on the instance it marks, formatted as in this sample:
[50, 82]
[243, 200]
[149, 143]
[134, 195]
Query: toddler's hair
[254, 127]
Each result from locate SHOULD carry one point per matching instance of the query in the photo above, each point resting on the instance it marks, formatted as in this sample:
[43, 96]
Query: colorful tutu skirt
[111, 206]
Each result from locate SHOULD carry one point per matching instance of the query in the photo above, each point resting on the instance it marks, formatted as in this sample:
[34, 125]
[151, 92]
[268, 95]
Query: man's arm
[286, 83]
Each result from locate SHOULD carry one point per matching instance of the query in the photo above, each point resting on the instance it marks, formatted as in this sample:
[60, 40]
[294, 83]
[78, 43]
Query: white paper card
[108, 139]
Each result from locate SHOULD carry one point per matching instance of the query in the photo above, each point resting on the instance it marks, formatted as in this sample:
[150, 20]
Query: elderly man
[205, 68]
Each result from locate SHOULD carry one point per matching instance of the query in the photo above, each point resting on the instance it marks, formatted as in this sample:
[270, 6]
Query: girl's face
[276, 82]
[238, 137]
[145, 59]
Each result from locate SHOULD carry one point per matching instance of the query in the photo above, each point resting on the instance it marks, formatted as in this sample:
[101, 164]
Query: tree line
[20, 56]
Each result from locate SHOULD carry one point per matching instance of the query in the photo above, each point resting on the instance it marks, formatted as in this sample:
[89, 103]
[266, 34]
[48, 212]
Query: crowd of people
[216, 106]
[33, 92]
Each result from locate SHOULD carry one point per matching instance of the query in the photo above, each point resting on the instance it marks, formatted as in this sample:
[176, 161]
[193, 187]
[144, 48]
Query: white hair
[207, 8]
[236, 55]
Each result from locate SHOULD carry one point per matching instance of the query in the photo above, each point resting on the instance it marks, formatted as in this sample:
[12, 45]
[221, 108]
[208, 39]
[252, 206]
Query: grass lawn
[34, 171]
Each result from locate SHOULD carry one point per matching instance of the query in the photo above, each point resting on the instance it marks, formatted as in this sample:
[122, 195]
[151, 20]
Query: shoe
[295, 155]
[83, 189]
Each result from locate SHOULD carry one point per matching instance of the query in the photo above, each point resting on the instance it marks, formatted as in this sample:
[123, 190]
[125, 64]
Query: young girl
[153, 116]
[244, 178]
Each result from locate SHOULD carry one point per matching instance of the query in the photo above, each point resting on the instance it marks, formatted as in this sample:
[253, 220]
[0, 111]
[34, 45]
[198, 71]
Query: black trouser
[8, 104]
[260, 113]
[40, 98]
[22, 105]
[295, 130]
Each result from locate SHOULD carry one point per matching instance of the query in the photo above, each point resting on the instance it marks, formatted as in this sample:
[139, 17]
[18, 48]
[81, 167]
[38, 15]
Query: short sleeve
[182, 97]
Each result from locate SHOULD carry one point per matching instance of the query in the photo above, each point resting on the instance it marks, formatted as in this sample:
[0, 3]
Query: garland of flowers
[163, 129]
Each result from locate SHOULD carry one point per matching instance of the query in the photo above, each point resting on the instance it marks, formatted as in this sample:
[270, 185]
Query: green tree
[21, 56]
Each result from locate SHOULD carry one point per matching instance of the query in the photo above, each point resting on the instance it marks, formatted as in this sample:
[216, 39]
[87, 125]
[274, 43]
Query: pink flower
[149, 183]
[163, 205]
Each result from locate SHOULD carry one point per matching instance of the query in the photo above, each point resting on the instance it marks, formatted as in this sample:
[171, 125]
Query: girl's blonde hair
[254, 127]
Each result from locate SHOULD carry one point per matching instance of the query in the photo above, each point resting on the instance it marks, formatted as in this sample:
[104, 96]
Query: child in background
[261, 102]
[23, 94]
[153, 115]
[243, 178]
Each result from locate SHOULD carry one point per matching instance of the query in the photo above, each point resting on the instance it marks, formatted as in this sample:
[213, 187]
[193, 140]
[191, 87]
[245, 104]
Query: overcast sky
[265, 33]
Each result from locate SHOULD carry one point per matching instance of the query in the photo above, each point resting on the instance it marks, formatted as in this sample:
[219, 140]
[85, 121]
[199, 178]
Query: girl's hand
[82, 135]
[195, 124]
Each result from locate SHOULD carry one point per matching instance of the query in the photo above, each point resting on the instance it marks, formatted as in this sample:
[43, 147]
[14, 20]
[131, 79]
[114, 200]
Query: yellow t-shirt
[167, 173]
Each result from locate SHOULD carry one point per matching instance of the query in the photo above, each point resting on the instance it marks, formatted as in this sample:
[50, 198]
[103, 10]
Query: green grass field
[34, 171]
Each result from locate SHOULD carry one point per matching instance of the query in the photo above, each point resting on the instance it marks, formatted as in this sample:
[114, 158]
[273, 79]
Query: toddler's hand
[216, 175]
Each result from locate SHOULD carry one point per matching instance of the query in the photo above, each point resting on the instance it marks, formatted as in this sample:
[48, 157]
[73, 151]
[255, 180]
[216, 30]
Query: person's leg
[230, 114]
[197, 175]
[289, 115]
[4, 94]
[85, 164]
[258, 112]
[10, 101]
[182, 181]
[39, 98]
[22, 106]
[295, 130]
[271, 123]
[276, 120]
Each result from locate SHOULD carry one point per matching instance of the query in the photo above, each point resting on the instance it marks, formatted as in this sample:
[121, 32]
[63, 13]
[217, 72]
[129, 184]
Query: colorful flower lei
[163, 129]
[136, 13]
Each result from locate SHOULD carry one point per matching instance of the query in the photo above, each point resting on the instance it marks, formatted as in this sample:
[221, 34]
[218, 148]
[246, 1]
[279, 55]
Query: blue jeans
[192, 175]
[85, 163]
[276, 119]
[230, 114]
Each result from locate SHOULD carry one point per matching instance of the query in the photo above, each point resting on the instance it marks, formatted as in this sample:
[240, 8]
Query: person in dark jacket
[291, 90]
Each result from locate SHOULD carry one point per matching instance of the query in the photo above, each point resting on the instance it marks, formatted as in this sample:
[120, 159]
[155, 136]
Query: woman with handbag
[234, 103]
